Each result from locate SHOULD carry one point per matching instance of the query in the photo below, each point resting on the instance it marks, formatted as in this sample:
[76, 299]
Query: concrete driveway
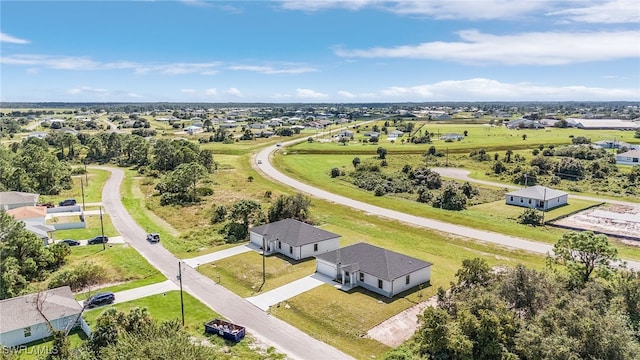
[215, 256]
[272, 297]
[144, 291]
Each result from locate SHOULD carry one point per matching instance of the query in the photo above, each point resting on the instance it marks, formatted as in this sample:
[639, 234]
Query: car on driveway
[70, 242]
[67, 202]
[98, 240]
[100, 299]
[153, 238]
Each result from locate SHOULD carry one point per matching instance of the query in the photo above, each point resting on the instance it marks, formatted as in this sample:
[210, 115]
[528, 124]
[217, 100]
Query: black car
[98, 240]
[153, 238]
[67, 202]
[100, 299]
[70, 242]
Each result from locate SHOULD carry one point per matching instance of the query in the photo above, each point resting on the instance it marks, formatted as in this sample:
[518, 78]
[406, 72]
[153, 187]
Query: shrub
[204, 191]
[335, 172]
[379, 190]
[219, 214]
[530, 217]
[79, 276]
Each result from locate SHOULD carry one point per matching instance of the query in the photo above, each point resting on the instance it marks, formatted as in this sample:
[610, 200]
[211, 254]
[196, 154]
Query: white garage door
[326, 268]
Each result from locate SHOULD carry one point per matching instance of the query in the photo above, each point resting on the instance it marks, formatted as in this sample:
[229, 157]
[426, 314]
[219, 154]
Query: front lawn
[92, 189]
[93, 228]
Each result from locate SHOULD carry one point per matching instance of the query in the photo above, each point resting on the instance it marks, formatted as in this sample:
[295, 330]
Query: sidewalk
[272, 297]
[137, 293]
[215, 256]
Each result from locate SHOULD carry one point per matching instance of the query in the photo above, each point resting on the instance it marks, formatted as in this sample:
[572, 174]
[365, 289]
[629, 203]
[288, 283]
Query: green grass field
[93, 228]
[92, 190]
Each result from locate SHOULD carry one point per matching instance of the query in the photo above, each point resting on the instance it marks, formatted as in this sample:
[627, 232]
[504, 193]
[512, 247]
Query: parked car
[47, 204]
[98, 240]
[100, 299]
[153, 238]
[67, 202]
[70, 242]
[259, 161]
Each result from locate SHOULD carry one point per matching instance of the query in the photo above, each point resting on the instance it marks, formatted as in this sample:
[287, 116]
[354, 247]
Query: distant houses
[537, 197]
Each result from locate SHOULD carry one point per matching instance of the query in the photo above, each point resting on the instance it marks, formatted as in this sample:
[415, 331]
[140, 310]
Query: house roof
[28, 212]
[396, 132]
[537, 192]
[16, 197]
[56, 303]
[376, 261]
[632, 153]
[293, 232]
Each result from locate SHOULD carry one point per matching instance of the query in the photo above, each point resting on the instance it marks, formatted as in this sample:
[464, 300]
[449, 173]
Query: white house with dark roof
[23, 323]
[395, 134]
[15, 199]
[628, 158]
[374, 268]
[293, 239]
[537, 197]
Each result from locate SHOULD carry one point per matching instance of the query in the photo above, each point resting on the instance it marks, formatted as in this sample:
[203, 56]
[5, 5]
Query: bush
[451, 198]
[379, 190]
[78, 170]
[335, 172]
[531, 217]
[204, 191]
[78, 277]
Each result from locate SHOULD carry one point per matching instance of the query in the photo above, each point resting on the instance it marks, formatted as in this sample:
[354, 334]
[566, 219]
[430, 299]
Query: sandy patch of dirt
[398, 329]
[610, 219]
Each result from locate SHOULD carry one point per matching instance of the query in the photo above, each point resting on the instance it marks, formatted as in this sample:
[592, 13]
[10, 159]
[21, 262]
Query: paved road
[270, 330]
[487, 236]
[462, 174]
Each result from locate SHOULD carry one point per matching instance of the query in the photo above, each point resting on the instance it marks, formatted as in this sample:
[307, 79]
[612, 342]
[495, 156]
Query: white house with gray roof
[628, 158]
[23, 323]
[537, 197]
[15, 199]
[293, 239]
[374, 268]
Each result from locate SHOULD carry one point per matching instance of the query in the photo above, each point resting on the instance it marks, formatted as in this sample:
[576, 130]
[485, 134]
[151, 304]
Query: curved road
[270, 330]
[263, 163]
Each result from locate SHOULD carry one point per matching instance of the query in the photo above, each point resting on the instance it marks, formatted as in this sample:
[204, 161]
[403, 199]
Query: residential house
[628, 158]
[293, 239]
[372, 134]
[451, 137]
[193, 129]
[37, 134]
[373, 268]
[537, 197]
[615, 144]
[441, 116]
[395, 134]
[258, 126]
[23, 323]
[14, 199]
[605, 124]
[524, 124]
[34, 219]
[345, 133]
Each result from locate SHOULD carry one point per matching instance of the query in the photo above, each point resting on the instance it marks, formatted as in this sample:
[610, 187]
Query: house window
[315, 247]
[529, 201]
[379, 284]
[521, 200]
[511, 198]
[407, 280]
[362, 276]
[27, 331]
[279, 245]
[290, 249]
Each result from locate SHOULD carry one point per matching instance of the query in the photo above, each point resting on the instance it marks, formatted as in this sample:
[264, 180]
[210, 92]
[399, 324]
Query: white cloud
[234, 92]
[87, 90]
[439, 9]
[188, 91]
[271, 70]
[608, 12]
[86, 64]
[135, 96]
[211, 92]
[6, 38]
[482, 89]
[536, 48]
[346, 94]
[198, 3]
[310, 94]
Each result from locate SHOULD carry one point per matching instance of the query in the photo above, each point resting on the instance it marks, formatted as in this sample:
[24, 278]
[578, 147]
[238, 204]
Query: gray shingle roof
[537, 192]
[16, 197]
[20, 312]
[293, 232]
[381, 263]
[632, 153]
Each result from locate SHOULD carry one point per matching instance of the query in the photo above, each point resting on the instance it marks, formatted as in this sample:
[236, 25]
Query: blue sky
[319, 51]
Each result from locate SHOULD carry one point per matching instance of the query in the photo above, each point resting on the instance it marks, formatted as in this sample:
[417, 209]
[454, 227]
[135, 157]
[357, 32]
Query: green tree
[355, 162]
[585, 252]
[180, 185]
[382, 152]
[450, 198]
[290, 207]
[530, 217]
[473, 273]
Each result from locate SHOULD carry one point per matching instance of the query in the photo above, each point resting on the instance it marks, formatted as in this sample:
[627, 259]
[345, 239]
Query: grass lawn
[314, 169]
[92, 190]
[39, 349]
[167, 307]
[122, 264]
[93, 228]
[242, 273]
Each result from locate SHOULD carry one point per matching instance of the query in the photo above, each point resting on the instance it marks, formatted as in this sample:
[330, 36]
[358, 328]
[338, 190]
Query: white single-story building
[376, 269]
[628, 158]
[15, 199]
[34, 219]
[451, 137]
[293, 239]
[22, 322]
[395, 134]
[537, 197]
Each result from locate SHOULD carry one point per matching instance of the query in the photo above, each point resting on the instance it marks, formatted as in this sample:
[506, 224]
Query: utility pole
[264, 267]
[447, 165]
[82, 188]
[181, 299]
[104, 247]
[86, 178]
